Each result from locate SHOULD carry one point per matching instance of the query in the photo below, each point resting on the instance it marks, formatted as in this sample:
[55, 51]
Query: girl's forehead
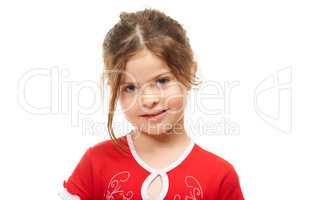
[143, 66]
[143, 76]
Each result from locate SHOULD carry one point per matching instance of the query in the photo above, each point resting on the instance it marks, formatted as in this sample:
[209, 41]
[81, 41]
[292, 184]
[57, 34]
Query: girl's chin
[155, 130]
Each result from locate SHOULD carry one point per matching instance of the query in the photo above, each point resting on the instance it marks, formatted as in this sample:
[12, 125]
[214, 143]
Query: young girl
[150, 69]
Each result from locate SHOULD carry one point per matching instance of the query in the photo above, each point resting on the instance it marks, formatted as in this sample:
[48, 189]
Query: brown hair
[157, 32]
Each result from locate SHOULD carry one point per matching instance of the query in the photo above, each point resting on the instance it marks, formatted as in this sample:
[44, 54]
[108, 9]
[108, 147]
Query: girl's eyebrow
[155, 77]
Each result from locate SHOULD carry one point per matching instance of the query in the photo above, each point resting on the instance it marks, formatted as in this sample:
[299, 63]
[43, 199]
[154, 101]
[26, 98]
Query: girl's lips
[154, 113]
[154, 117]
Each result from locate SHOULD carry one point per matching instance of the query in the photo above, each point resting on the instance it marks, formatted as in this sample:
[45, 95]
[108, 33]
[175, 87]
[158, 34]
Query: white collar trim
[154, 173]
[141, 162]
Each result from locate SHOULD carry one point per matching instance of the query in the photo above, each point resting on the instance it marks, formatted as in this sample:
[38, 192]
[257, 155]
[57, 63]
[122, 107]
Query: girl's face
[148, 87]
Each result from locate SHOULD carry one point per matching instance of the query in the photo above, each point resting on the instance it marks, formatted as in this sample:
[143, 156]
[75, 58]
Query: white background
[253, 59]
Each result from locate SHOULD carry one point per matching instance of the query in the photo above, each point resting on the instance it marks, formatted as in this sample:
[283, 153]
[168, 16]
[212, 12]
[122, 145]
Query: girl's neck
[150, 142]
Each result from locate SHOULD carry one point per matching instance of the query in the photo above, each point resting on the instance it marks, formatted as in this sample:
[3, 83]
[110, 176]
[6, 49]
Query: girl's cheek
[175, 98]
[175, 102]
[129, 114]
[125, 105]
[129, 106]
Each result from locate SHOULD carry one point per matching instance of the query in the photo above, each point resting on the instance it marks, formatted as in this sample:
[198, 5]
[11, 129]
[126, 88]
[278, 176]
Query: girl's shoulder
[208, 158]
[213, 165]
[107, 148]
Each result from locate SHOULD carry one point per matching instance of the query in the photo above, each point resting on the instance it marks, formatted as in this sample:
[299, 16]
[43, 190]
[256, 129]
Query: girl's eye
[129, 88]
[162, 81]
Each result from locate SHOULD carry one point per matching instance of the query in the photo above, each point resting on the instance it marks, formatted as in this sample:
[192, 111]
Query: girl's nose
[150, 99]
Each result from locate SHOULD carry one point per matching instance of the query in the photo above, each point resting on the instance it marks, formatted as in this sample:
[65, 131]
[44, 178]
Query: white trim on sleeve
[65, 195]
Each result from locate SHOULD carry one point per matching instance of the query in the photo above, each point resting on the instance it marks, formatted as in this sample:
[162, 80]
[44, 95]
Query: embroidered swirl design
[195, 189]
[114, 190]
[114, 187]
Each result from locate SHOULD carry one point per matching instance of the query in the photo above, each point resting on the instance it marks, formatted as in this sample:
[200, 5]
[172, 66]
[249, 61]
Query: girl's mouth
[155, 117]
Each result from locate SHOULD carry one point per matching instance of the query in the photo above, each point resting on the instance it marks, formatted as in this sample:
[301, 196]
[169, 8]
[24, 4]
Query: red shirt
[105, 173]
